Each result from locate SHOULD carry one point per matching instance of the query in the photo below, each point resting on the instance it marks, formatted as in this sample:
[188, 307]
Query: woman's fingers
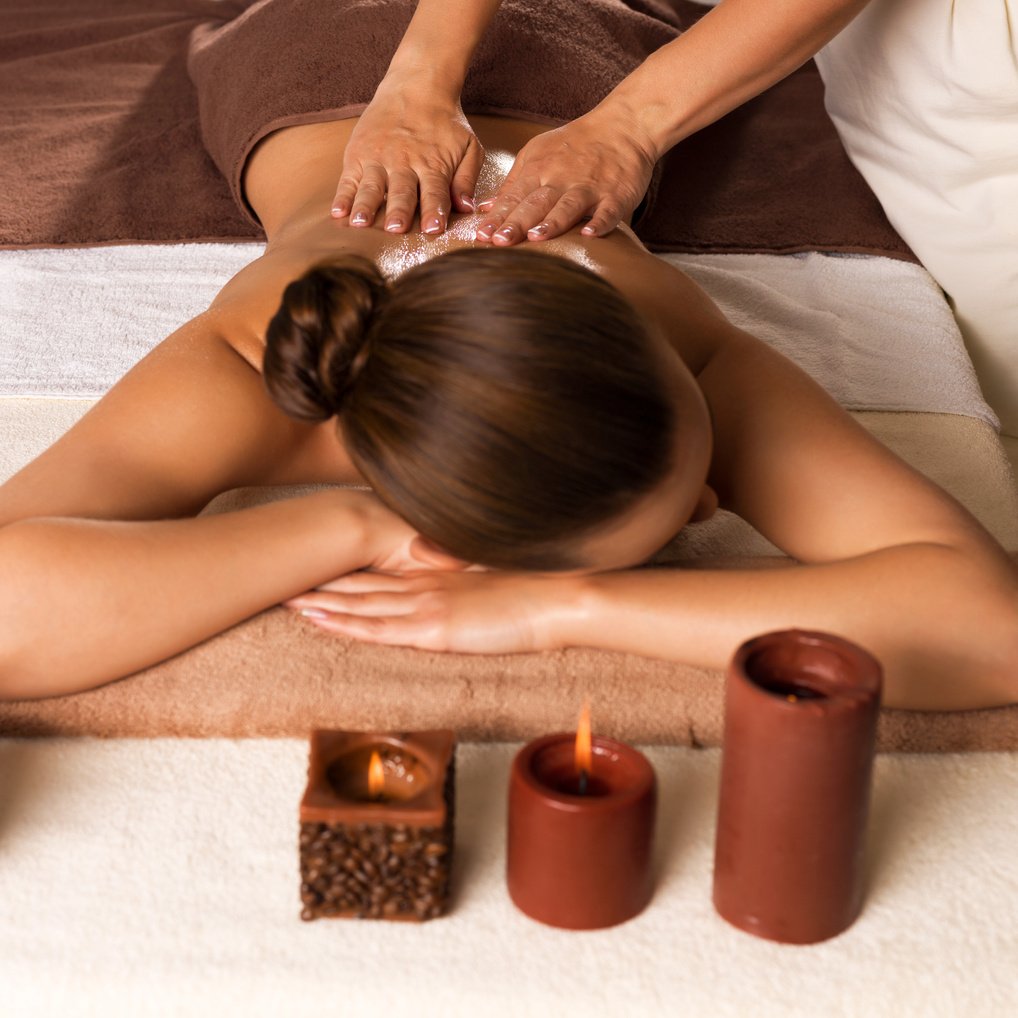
[370, 581]
[407, 631]
[374, 605]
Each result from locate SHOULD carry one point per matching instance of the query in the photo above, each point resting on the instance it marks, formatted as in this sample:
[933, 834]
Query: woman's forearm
[944, 626]
[83, 602]
[440, 41]
[732, 54]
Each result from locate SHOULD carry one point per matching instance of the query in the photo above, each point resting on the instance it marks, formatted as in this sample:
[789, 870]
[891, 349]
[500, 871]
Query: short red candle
[800, 728]
[580, 861]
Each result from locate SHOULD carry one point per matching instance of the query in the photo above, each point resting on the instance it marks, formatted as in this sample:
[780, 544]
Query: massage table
[276, 675]
[152, 874]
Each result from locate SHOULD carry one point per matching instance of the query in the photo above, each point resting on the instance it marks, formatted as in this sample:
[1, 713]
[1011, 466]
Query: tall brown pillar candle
[579, 850]
[800, 729]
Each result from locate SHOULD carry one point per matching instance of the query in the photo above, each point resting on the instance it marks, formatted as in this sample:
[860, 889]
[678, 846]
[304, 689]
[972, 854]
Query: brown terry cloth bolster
[100, 138]
[288, 62]
[737, 186]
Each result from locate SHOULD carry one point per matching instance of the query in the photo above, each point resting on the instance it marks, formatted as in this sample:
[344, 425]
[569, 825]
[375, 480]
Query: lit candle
[581, 828]
[800, 727]
[376, 831]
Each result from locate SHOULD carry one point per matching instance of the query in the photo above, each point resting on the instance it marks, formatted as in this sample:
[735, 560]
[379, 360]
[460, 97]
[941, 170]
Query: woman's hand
[389, 543]
[594, 167]
[467, 612]
[409, 140]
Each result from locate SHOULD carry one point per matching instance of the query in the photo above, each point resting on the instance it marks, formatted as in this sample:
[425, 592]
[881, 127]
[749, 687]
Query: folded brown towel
[99, 121]
[278, 676]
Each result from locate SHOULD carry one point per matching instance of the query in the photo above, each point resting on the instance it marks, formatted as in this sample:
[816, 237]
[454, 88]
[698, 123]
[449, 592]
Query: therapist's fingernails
[433, 226]
[484, 232]
[314, 613]
[588, 231]
[359, 218]
[338, 211]
[465, 199]
[506, 233]
[484, 206]
[394, 224]
[538, 231]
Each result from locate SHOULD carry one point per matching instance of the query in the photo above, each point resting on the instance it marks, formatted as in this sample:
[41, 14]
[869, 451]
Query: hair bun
[317, 342]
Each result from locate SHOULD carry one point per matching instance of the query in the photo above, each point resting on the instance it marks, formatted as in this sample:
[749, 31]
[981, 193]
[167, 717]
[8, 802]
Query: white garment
[924, 94]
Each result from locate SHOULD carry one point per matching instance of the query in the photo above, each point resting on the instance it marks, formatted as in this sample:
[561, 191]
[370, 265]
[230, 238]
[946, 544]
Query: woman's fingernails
[314, 613]
[359, 218]
[433, 226]
[394, 224]
[465, 199]
[338, 211]
[506, 233]
[588, 231]
[484, 206]
[538, 231]
[484, 232]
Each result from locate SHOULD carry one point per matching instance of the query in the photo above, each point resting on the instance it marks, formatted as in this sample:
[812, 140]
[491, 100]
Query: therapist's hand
[594, 167]
[408, 142]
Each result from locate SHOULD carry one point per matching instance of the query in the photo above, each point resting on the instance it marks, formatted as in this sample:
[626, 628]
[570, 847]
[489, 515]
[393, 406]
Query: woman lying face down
[512, 407]
[555, 420]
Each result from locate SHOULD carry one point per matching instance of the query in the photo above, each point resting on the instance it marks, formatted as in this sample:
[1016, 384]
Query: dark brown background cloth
[100, 141]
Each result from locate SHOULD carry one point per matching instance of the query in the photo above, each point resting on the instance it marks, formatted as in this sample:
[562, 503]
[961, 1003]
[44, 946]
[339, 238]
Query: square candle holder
[380, 850]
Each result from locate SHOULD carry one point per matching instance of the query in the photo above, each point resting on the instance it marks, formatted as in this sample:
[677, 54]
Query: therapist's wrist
[417, 74]
[620, 120]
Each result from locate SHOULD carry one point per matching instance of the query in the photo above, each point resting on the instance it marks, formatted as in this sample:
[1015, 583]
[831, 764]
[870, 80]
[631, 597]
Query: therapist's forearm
[732, 54]
[440, 42]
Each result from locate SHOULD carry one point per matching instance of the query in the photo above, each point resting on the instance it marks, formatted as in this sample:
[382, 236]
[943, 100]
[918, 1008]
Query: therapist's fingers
[369, 197]
[574, 205]
[464, 180]
[434, 202]
[401, 201]
[530, 212]
[345, 192]
[606, 217]
[497, 210]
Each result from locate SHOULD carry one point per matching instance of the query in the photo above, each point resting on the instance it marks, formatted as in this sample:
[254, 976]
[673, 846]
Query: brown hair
[504, 403]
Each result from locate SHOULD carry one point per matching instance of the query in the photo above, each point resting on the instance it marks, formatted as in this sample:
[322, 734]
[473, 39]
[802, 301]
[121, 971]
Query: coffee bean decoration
[392, 868]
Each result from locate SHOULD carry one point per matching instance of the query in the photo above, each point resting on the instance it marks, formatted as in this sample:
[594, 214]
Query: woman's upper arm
[811, 479]
[188, 421]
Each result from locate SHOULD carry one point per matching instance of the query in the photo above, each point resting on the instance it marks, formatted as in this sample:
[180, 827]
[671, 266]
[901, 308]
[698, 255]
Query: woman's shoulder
[670, 302]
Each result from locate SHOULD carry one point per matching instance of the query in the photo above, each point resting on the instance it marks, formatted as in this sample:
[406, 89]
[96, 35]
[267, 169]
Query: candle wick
[583, 782]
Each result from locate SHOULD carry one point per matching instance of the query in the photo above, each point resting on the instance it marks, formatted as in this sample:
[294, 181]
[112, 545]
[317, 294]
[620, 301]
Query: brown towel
[100, 140]
[276, 676]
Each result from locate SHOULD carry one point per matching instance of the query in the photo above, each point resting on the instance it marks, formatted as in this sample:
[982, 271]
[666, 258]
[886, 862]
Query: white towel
[73, 321]
[875, 332]
[160, 877]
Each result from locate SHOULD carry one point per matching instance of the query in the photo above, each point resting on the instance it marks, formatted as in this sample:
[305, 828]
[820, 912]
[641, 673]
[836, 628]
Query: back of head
[504, 403]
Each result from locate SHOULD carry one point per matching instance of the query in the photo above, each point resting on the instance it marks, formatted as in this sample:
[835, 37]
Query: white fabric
[924, 94]
[144, 878]
[876, 332]
[73, 321]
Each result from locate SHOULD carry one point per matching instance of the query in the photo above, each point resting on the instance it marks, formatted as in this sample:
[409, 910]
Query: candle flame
[583, 751]
[376, 775]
